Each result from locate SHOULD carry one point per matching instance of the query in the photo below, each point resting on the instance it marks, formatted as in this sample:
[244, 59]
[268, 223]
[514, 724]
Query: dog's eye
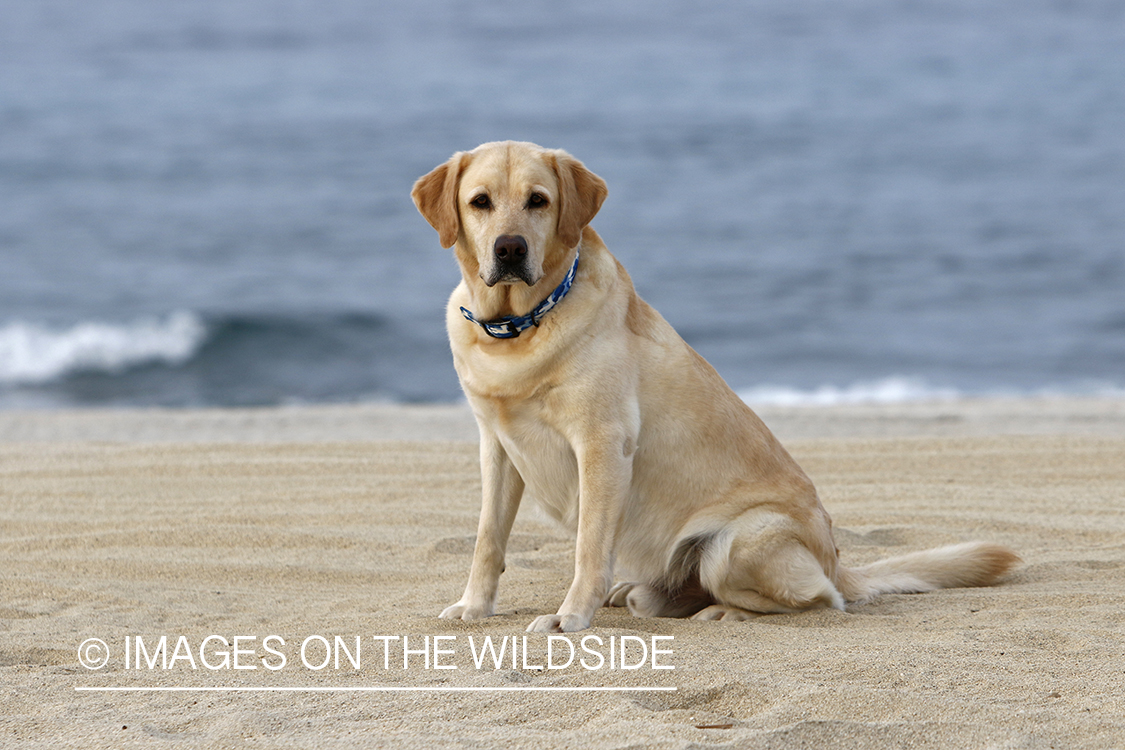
[481, 201]
[537, 200]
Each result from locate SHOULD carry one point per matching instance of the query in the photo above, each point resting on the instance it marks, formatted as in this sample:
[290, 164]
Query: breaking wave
[33, 354]
[189, 359]
[900, 390]
[892, 390]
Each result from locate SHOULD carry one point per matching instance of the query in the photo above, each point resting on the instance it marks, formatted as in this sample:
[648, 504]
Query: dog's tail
[970, 564]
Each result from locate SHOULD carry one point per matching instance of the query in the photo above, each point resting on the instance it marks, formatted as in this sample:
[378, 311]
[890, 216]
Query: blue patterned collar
[511, 326]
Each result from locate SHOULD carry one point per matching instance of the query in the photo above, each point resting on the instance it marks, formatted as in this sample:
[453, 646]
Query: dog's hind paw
[619, 593]
[558, 624]
[462, 611]
[724, 612]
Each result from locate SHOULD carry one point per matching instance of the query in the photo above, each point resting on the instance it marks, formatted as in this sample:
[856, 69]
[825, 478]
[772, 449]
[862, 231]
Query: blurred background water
[207, 203]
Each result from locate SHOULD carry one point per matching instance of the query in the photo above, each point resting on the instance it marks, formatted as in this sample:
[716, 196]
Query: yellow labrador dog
[589, 402]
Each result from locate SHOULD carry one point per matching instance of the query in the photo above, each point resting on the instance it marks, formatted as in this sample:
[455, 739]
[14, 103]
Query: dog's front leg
[604, 475]
[500, 499]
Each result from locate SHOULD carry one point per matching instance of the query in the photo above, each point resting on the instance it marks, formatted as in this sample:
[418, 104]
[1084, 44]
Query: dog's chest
[542, 456]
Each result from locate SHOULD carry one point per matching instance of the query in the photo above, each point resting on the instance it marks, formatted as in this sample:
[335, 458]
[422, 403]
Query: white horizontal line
[396, 689]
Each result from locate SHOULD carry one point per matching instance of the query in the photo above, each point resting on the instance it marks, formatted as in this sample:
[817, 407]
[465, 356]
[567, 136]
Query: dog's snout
[511, 262]
[510, 248]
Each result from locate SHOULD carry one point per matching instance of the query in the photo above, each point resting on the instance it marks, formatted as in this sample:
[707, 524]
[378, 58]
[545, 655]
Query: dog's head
[512, 209]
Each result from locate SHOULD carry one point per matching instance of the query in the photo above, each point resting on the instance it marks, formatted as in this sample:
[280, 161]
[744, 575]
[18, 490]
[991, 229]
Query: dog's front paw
[558, 624]
[466, 611]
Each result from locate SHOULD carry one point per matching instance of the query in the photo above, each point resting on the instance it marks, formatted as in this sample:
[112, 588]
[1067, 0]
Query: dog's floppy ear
[581, 193]
[435, 195]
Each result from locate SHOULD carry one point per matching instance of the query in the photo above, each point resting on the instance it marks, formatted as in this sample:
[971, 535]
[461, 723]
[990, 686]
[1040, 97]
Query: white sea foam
[892, 390]
[31, 353]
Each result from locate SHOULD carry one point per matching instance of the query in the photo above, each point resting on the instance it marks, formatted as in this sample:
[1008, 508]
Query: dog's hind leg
[760, 565]
[644, 600]
[679, 593]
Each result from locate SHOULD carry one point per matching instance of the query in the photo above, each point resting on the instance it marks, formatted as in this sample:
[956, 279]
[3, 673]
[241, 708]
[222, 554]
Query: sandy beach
[294, 561]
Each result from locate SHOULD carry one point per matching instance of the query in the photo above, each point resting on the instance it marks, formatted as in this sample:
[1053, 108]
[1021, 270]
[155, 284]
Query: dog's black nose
[510, 248]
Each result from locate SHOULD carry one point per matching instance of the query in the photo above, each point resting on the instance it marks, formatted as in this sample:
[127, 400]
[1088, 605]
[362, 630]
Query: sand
[308, 523]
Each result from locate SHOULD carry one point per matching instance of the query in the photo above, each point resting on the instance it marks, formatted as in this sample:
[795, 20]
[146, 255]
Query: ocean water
[207, 203]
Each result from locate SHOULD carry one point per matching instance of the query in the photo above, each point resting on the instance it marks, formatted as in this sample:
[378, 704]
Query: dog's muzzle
[510, 261]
